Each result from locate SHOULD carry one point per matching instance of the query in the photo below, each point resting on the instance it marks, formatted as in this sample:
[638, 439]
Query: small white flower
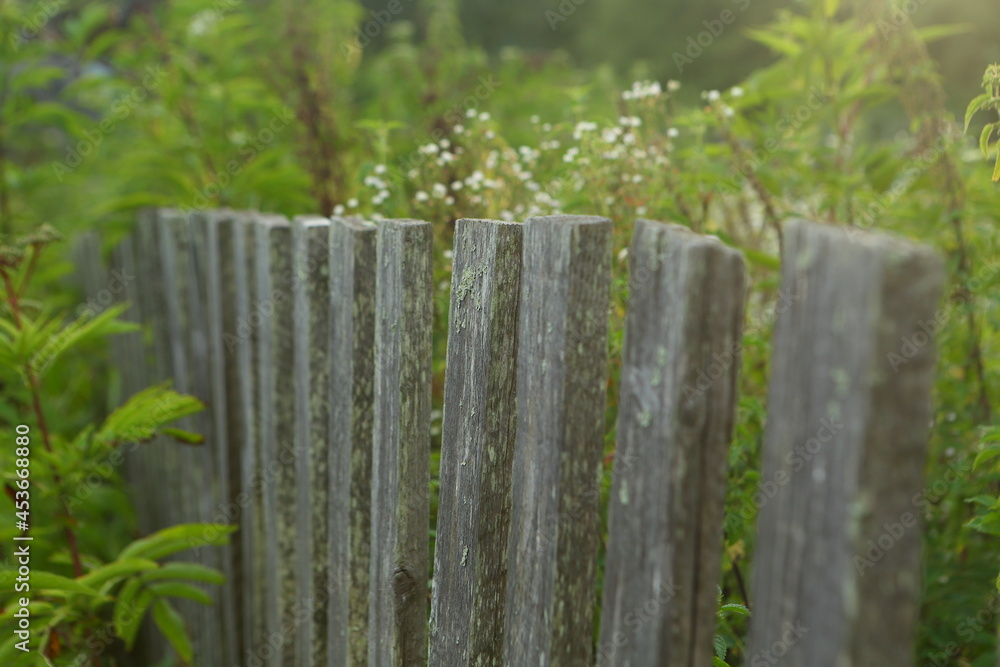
[458, 129]
[623, 254]
[421, 196]
[448, 254]
[640, 210]
[535, 119]
[711, 95]
[456, 185]
[380, 169]
[673, 86]
[412, 174]
[484, 116]
[338, 209]
[637, 178]
[444, 143]
[547, 127]
[470, 113]
[439, 190]
[352, 203]
[449, 200]
[728, 111]
[736, 91]
[673, 132]
[506, 215]
[490, 134]
[383, 194]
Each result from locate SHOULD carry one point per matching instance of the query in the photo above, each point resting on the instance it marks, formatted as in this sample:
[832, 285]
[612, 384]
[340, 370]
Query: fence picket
[477, 446]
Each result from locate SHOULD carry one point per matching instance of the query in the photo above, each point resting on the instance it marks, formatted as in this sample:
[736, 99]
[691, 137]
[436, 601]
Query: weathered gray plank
[844, 450]
[662, 565]
[400, 519]
[213, 232]
[273, 258]
[561, 397]
[477, 446]
[311, 255]
[243, 341]
[352, 396]
[197, 475]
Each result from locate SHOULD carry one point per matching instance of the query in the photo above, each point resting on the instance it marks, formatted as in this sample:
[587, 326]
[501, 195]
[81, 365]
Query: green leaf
[984, 500]
[720, 647]
[146, 412]
[130, 608]
[775, 42]
[119, 569]
[933, 33]
[187, 571]
[180, 590]
[735, 608]
[986, 453]
[984, 138]
[987, 523]
[182, 436]
[996, 169]
[178, 538]
[171, 625]
[975, 105]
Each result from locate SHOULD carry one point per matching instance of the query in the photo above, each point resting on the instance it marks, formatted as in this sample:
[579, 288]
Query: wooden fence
[310, 341]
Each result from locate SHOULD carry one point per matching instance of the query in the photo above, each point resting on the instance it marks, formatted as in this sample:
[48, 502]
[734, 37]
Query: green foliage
[75, 594]
[284, 106]
[989, 101]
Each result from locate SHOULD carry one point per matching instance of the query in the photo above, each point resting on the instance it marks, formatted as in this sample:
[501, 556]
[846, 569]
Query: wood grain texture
[561, 398]
[400, 520]
[845, 447]
[477, 446]
[243, 340]
[676, 412]
[311, 293]
[352, 401]
[276, 406]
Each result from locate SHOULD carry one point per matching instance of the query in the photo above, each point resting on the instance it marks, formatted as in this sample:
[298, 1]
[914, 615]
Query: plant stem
[43, 427]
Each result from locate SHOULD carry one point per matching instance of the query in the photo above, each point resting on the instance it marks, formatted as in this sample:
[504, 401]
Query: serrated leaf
[720, 647]
[975, 105]
[139, 419]
[171, 625]
[984, 500]
[735, 608]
